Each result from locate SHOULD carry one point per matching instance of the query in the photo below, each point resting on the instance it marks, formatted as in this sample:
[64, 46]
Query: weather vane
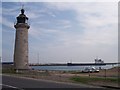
[22, 6]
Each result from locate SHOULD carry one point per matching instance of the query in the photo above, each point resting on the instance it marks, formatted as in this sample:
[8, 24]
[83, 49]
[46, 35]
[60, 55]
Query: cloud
[14, 11]
[60, 1]
[90, 32]
[99, 37]
[63, 24]
[97, 19]
[99, 23]
[51, 14]
[7, 23]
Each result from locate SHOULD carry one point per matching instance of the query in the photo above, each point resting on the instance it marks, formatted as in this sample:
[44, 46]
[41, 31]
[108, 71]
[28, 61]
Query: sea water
[69, 68]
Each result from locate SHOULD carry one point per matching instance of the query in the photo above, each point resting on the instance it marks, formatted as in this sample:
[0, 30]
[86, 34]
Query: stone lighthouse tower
[21, 42]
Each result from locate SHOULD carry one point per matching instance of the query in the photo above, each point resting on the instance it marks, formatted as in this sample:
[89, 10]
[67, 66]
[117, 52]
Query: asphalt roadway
[23, 83]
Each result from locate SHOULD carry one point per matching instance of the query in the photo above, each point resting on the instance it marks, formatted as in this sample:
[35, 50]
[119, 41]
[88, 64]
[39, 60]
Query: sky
[62, 32]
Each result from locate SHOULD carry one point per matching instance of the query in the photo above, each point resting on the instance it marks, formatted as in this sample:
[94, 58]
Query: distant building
[98, 61]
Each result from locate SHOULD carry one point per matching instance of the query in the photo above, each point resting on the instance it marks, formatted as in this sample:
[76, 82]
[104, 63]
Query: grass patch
[24, 73]
[94, 79]
[9, 70]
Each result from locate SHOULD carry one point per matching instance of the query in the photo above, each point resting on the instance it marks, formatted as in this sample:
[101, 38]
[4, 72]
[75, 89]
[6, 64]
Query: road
[21, 83]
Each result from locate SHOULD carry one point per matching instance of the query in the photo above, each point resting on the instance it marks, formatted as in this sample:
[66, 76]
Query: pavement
[24, 83]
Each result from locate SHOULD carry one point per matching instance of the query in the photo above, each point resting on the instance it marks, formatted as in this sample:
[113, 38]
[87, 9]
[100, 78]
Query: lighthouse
[21, 42]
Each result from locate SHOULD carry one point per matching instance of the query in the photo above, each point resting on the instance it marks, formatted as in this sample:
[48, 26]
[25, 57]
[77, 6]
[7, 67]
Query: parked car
[94, 69]
[90, 69]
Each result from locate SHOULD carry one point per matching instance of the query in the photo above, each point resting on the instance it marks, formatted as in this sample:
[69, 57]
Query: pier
[75, 64]
[67, 64]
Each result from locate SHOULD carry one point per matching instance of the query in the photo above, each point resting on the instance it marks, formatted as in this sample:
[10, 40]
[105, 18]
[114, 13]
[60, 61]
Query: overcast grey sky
[64, 32]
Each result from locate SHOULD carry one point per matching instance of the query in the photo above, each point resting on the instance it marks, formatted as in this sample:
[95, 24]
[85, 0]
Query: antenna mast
[38, 57]
[22, 6]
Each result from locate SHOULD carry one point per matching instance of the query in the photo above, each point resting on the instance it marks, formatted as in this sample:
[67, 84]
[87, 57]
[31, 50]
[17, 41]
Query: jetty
[66, 64]
[75, 64]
